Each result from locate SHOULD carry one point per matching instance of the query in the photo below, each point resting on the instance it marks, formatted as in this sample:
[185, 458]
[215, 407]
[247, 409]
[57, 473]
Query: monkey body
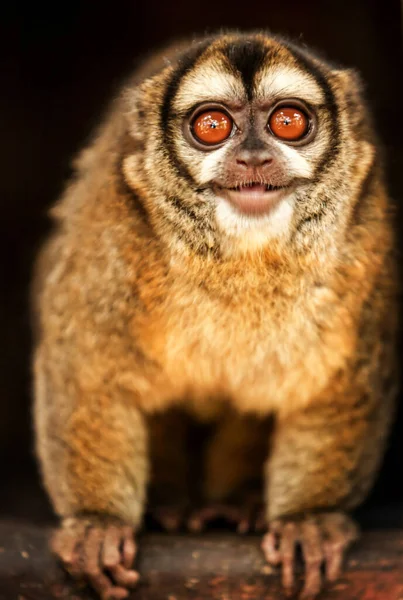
[152, 296]
[236, 333]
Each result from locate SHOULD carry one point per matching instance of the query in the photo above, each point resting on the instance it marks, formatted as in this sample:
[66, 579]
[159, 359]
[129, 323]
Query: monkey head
[244, 141]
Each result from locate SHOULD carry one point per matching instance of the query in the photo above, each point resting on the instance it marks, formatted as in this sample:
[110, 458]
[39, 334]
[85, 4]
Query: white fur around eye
[210, 164]
[297, 163]
[207, 84]
[285, 82]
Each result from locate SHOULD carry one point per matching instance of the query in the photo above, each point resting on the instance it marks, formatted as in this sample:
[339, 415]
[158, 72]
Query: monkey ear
[137, 100]
[350, 82]
[351, 92]
[132, 102]
[350, 89]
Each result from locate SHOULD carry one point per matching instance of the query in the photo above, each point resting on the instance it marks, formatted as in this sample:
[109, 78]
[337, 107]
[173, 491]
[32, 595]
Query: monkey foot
[170, 518]
[323, 540]
[248, 517]
[100, 553]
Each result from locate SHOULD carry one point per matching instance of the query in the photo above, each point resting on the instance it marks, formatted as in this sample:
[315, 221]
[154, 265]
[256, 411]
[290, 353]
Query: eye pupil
[211, 127]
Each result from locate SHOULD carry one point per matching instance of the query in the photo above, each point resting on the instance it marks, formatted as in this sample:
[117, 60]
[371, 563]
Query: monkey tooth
[261, 187]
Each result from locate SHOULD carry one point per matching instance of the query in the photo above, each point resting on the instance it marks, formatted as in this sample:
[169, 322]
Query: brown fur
[143, 306]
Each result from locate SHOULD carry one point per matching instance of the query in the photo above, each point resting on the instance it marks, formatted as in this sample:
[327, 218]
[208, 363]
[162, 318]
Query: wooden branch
[186, 567]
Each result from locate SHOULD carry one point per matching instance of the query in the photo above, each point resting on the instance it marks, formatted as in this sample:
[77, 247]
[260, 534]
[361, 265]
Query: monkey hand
[99, 551]
[323, 539]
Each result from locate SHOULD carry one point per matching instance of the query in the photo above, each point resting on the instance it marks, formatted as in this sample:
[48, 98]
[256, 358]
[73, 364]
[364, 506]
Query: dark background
[59, 67]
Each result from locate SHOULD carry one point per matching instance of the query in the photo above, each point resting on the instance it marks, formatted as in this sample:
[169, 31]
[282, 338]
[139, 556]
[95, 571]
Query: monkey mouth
[256, 187]
[253, 198]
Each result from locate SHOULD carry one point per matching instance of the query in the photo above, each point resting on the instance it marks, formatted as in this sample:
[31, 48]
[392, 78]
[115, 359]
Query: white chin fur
[252, 232]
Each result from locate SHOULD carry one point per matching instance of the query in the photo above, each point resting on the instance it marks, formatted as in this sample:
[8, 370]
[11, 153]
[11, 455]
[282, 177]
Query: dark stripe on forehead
[185, 64]
[246, 57]
[305, 62]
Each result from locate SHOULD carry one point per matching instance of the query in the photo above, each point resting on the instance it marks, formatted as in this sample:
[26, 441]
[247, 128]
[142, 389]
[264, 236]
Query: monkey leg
[169, 493]
[233, 468]
[246, 515]
[93, 453]
[322, 463]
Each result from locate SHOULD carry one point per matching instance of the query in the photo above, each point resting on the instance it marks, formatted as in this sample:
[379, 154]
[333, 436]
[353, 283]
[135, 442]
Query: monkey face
[260, 137]
[251, 173]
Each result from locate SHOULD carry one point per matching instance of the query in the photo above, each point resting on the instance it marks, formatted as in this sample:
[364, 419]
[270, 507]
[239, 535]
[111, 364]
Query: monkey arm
[323, 462]
[93, 451]
[92, 446]
[326, 456]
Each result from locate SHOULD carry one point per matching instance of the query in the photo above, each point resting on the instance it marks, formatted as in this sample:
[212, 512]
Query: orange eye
[212, 127]
[289, 123]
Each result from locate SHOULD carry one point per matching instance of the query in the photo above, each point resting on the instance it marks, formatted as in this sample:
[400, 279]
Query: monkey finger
[198, 519]
[244, 525]
[288, 542]
[92, 567]
[124, 577]
[170, 523]
[334, 559]
[169, 518]
[339, 535]
[129, 548]
[234, 514]
[195, 524]
[63, 543]
[270, 548]
[111, 555]
[247, 519]
[66, 545]
[312, 551]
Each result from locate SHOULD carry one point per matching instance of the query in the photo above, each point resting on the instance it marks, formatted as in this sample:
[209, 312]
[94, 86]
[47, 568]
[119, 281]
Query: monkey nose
[254, 158]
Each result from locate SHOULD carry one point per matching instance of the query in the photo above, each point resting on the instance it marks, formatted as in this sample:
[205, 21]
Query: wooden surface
[210, 566]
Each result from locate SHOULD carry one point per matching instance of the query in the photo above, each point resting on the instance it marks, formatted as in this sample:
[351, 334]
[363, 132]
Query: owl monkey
[223, 252]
